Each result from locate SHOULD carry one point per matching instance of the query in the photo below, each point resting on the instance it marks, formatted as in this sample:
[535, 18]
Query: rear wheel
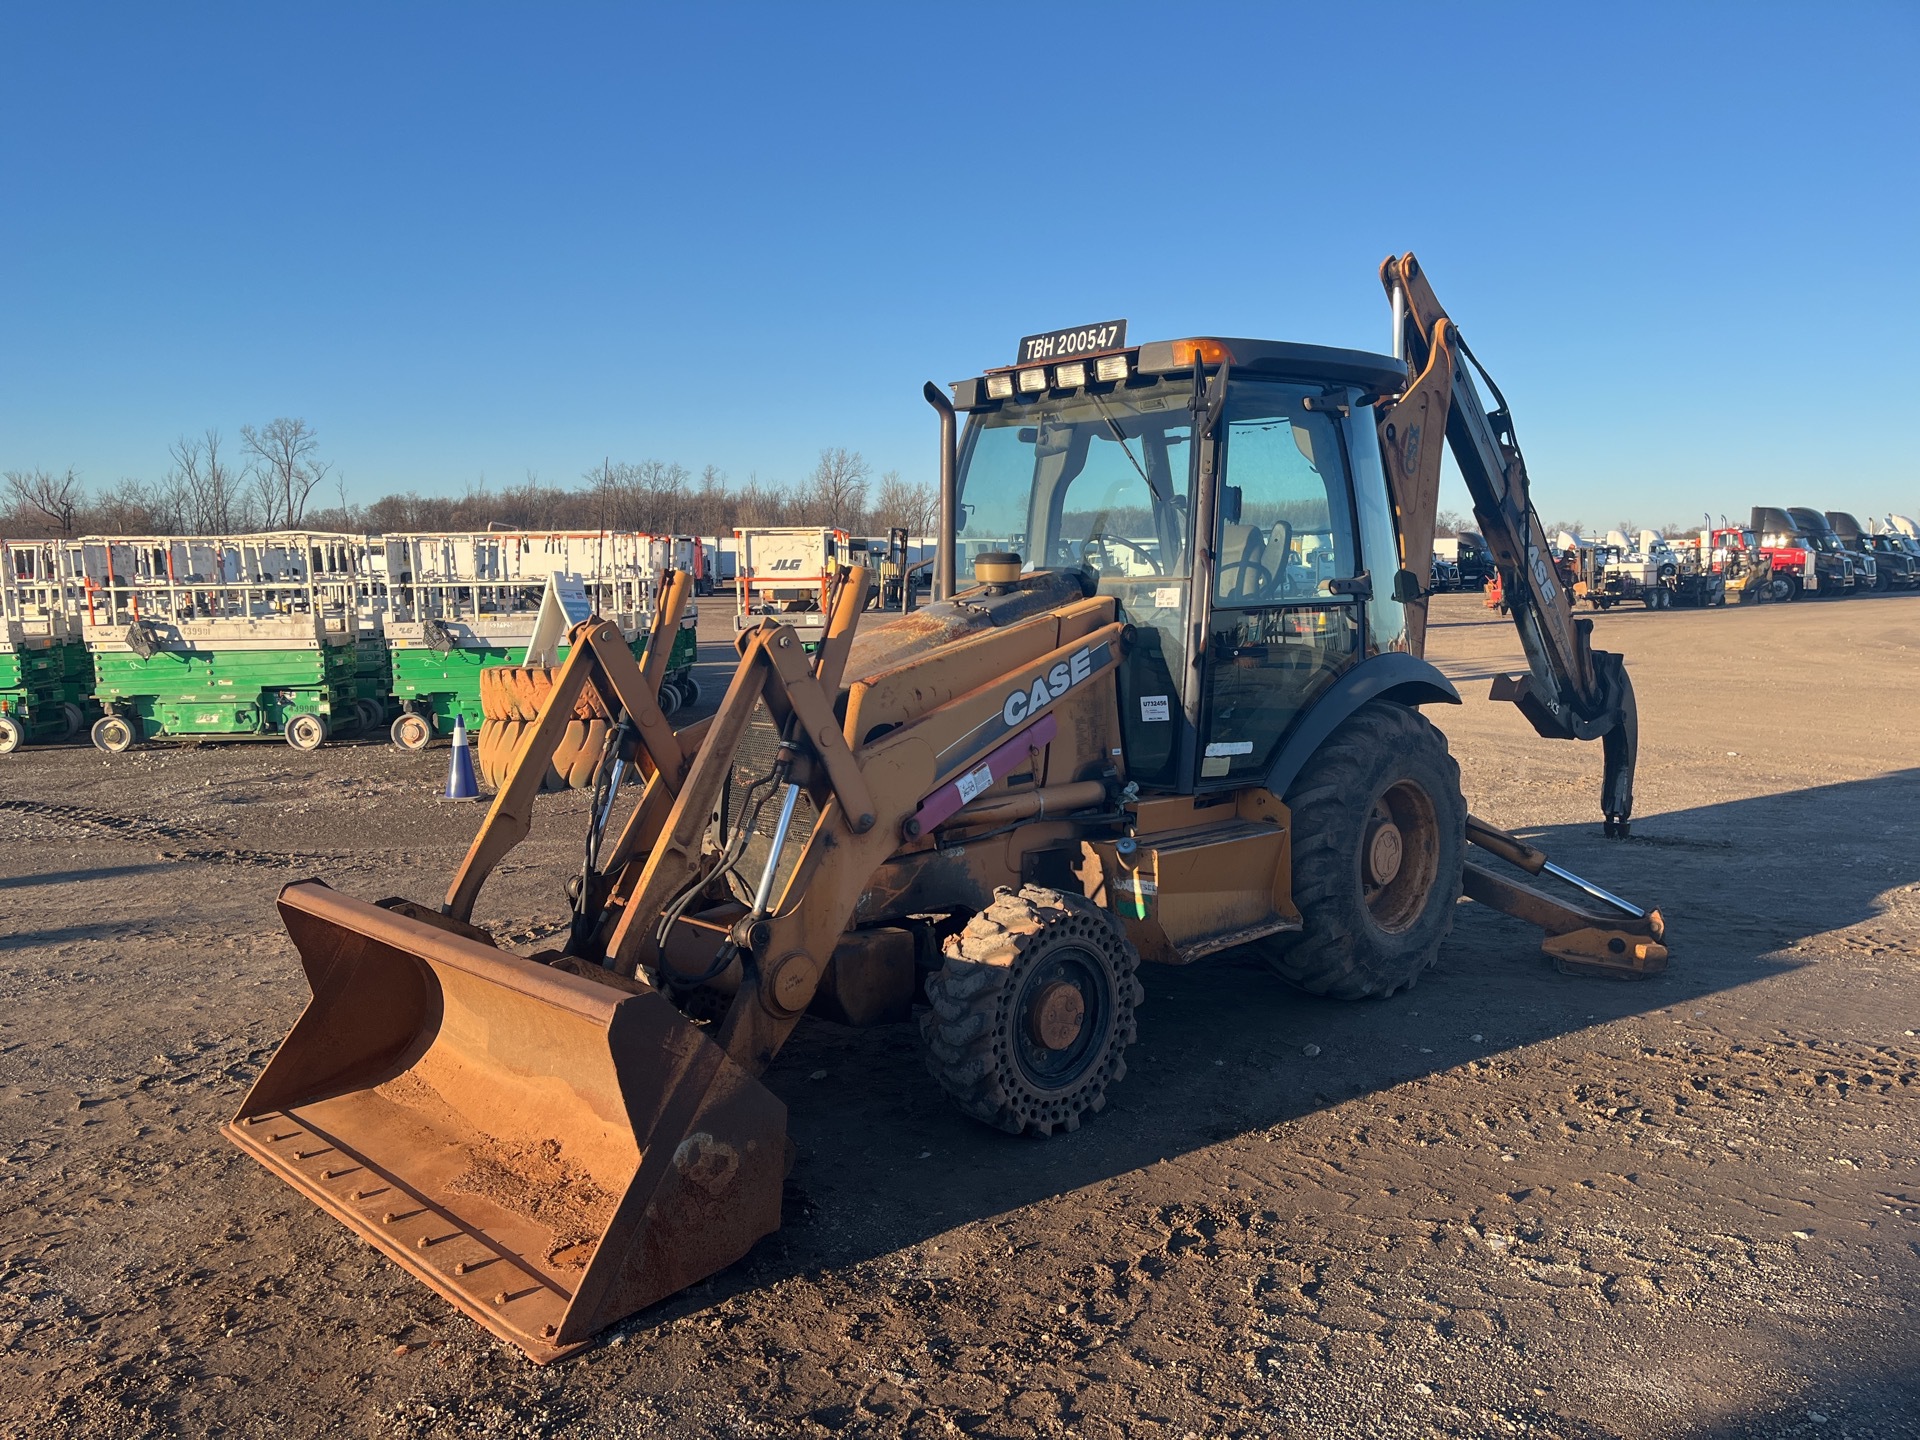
[74, 717]
[669, 698]
[306, 732]
[412, 731]
[370, 714]
[114, 734]
[689, 689]
[12, 735]
[1379, 832]
[1032, 1011]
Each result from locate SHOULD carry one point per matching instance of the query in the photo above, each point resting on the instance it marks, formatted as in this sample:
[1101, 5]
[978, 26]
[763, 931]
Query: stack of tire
[512, 698]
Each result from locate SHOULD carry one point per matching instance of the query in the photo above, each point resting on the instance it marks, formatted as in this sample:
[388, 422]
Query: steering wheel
[1259, 591]
[1100, 537]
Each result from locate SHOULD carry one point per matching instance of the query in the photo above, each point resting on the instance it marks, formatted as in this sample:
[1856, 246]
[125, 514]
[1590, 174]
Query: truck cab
[1799, 565]
[1883, 568]
[1818, 536]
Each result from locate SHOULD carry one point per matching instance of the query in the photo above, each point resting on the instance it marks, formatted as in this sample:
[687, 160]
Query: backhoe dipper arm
[1572, 691]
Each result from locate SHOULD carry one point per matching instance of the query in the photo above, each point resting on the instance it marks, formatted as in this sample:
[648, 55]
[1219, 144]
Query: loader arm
[1571, 690]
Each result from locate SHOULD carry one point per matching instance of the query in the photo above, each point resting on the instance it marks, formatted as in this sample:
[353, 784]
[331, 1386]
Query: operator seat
[1244, 576]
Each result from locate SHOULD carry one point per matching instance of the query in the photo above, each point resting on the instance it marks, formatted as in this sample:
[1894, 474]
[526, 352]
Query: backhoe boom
[1572, 691]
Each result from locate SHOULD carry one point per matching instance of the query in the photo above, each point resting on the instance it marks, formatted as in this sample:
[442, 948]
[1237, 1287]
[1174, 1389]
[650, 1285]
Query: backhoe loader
[1177, 710]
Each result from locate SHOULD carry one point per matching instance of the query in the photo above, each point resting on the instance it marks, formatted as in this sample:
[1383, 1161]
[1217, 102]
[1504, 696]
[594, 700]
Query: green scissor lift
[196, 637]
[457, 603]
[46, 680]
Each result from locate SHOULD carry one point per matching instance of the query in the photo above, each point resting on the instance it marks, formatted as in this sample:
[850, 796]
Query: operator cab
[1107, 462]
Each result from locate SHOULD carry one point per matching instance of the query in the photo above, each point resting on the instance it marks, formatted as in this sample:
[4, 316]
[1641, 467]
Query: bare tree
[133, 507]
[836, 492]
[204, 489]
[56, 497]
[901, 503]
[286, 467]
[1448, 522]
[758, 504]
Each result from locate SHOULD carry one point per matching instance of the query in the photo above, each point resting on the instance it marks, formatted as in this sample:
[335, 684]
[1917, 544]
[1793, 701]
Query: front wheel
[306, 732]
[690, 689]
[1032, 1011]
[12, 735]
[1379, 830]
[412, 732]
[114, 734]
[669, 698]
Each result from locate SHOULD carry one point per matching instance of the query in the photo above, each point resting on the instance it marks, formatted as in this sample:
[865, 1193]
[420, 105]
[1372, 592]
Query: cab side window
[1286, 523]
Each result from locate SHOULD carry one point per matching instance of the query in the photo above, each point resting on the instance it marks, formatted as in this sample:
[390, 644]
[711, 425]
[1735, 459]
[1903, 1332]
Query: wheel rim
[116, 735]
[1061, 1015]
[1399, 856]
[413, 732]
[10, 735]
[306, 732]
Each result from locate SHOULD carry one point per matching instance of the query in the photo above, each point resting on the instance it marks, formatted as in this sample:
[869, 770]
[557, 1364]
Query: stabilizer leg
[1621, 941]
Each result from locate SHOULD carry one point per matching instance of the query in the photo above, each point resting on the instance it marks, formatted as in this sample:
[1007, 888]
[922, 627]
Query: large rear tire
[1032, 1011]
[1379, 833]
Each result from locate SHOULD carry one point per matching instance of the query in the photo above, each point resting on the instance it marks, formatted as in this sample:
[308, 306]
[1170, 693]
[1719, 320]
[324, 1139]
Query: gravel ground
[1508, 1202]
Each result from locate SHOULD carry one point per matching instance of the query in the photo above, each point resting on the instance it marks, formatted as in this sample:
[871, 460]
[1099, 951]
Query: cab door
[1286, 615]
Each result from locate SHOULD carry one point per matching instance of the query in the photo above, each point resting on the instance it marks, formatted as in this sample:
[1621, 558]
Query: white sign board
[564, 606]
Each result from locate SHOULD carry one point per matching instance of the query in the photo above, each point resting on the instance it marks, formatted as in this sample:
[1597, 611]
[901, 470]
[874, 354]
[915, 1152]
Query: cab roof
[1278, 358]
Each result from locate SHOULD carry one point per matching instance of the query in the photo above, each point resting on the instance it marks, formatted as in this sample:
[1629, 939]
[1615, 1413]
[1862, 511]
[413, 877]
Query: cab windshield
[1094, 481]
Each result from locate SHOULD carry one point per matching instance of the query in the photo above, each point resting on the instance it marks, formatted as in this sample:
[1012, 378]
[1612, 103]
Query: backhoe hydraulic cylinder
[1594, 890]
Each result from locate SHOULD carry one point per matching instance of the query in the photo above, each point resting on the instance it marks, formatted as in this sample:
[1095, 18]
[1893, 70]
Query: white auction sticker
[1166, 597]
[974, 782]
[1154, 707]
[1232, 747]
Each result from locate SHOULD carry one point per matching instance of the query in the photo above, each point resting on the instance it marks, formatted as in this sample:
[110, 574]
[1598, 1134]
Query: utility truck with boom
[1179, 710]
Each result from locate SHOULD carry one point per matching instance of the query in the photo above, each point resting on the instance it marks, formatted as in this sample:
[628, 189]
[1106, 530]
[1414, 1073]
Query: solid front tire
[1032, 1011]
[1379, 834]
[12, 735]
[306, 732]
[114, 734]
[412, 731]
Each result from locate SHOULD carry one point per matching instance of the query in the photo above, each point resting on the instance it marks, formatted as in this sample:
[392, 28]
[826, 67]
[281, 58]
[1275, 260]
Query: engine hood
[886, 642]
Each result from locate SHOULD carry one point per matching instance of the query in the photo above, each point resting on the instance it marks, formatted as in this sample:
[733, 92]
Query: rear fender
[1394, 675]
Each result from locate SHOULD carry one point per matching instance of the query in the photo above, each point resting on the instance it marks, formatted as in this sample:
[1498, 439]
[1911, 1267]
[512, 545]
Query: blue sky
[482, 240]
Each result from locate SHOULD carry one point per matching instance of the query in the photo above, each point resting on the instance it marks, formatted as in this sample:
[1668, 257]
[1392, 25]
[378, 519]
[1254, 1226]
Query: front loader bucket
[547, 1152]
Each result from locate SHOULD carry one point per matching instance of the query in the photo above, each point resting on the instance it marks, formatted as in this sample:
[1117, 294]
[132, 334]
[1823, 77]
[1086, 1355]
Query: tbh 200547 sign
[1065, 344]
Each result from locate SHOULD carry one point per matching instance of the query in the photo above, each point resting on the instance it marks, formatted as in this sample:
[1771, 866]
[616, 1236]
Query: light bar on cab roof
[1070, 377]
[999, 387]
[1032, 381]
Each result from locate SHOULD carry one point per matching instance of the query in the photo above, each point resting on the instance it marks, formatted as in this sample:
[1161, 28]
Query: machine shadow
[1226, 1048]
